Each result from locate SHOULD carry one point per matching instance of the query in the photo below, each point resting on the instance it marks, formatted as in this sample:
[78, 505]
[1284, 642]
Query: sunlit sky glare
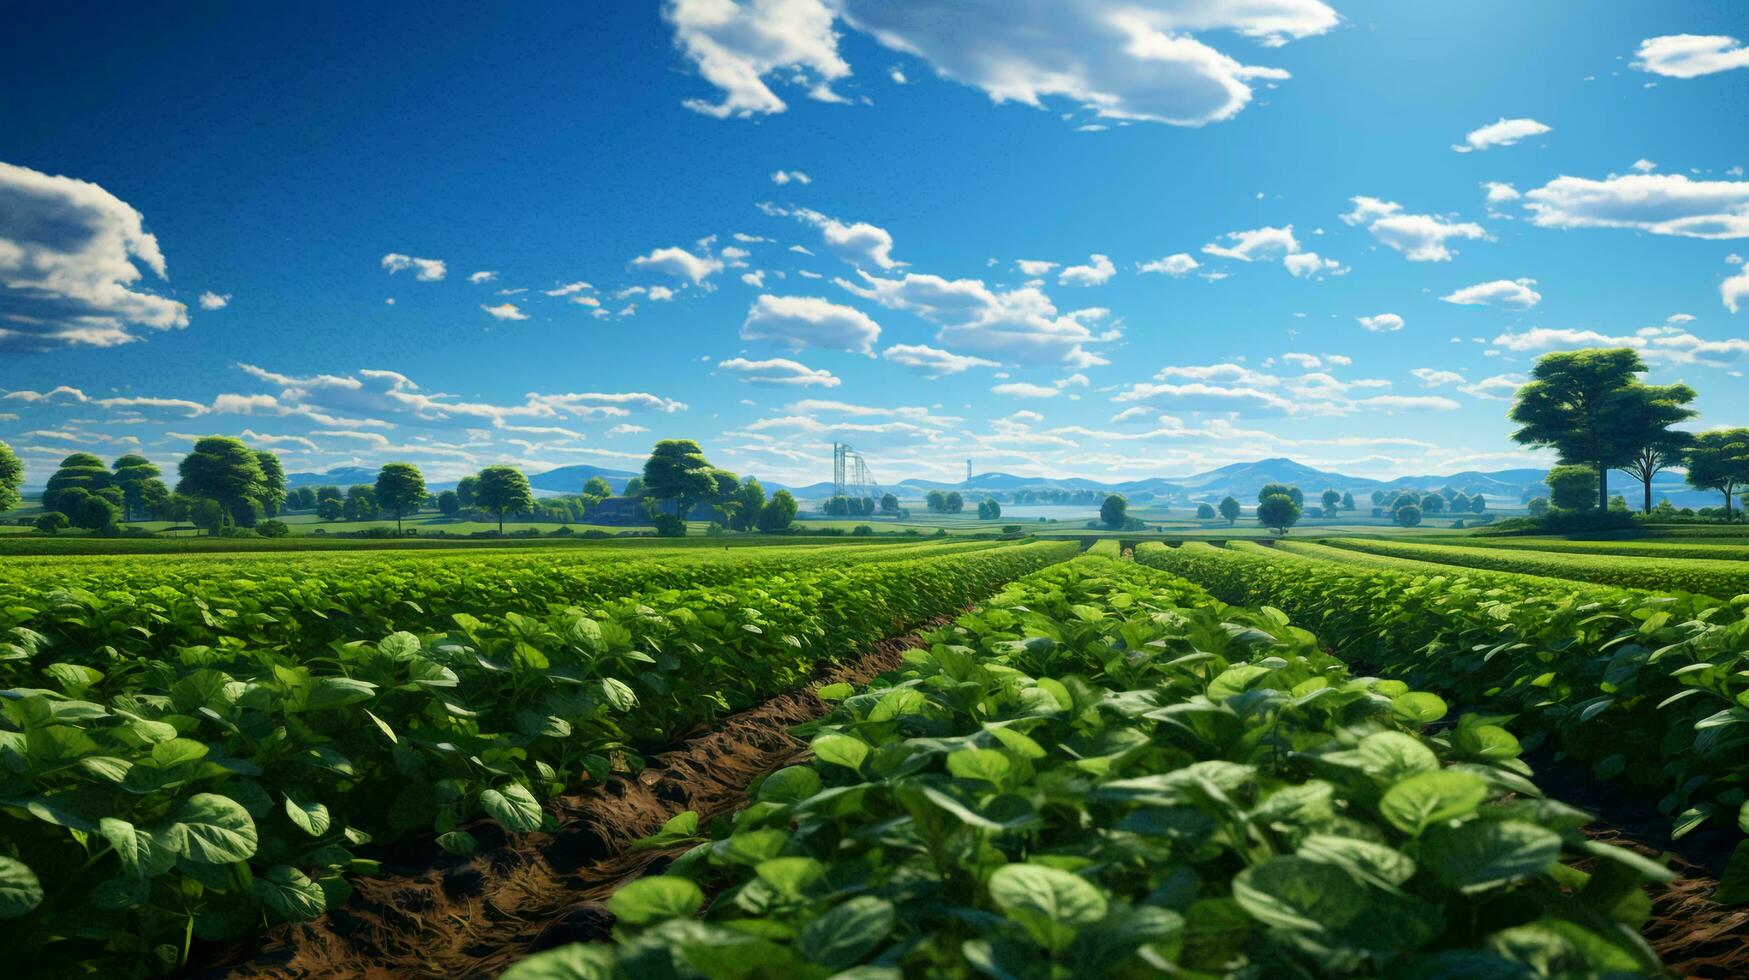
[1057, 237]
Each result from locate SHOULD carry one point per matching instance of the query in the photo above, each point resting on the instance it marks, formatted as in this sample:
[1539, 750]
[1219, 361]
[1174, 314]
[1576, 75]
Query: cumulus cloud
[861, 244]
[1662, 204]
[1035, 267]
[1499, 193]
[1505, 132]
[1735, 289]
[1500, 387]
[1420, 237]
[1690, 55]
[1264, 243]
[680, 263]
[778, 371]
[424, 270]
[1118, 60]
[505, 311]
[810, 321]
[1172, 265]
[1020, 324]
[1303, 264]
[1434, 378]
[1200, 396]
[1230, 374]
[1097, 271]
[214, 301]
[1381, 323]
[782, 177]
[67, 254]
[1021, 389]
[483, 276]
[933, 362]
[1516, 293]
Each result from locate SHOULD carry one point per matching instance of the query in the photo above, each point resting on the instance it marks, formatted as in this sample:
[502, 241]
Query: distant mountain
[570, 479]
[339, 476]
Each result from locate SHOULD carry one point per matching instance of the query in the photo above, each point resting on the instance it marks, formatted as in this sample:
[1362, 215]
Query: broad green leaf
[1391, 756]
[1419, 801]
[988, 765]
[458, 842]
[791, 784]
[312, 818]
[1291, 892]
[290, 894]
[619, 694]
[208, 828]
[1418, 707]
[648, 900]
[847, 932]
[20, 891]
[578, 961]
[834, 692]
[1556, 947]
[678, 829]
[1487, 742]
[1051, 905]
[514, 807]
[1482, 854]
[840, 750]
[790, 875]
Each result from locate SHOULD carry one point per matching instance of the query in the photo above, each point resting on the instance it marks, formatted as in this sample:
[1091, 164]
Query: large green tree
[1719, 460]
[677, 470]
[779, 512]
[503, 490]
[1229, 509]
[223, 469]
[1331, 500]
[1114, 510]
[1653, 411]
[595, 489]
[142, 490]
[1574, 487]
[1278, 512]
[272, 496]
[361, 503]
[78, 471]
[1590, 407]
[11, 478]
[401, 488]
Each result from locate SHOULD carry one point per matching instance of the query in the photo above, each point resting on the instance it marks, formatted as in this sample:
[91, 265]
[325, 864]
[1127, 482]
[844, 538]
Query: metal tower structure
[851, 476]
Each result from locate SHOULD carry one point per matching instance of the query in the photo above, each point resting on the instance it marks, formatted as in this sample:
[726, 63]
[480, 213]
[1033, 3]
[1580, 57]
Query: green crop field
[1709, 575]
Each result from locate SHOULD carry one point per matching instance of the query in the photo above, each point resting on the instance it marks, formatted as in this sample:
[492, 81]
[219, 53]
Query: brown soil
[473, 916]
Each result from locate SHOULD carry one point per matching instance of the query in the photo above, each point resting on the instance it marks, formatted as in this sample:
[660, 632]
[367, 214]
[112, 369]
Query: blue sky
[1078, 238]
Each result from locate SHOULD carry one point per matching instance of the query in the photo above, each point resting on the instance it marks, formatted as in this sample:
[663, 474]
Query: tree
[1273, 489]
[1114, 511]
[1348, 501]
[1230, 509]
[207, 514]
[889, 504]
[1478, 504]
[751, 500]
[836, 506]
[597, 488]
[994, 506]
[954, 502]
[51, 522]
[1538, 507]
[96, 513]
[635, 487]
[503, 490]
[11, 478]
[1589, 406]
[1719, 460]
[1460, 503]
[1660, 447]
[1205, 512]
[778, 512]
[330, 509]
[79, 471]
[449, 504]
[1278, 512]
[1408, 515]
[1332, 500]
[464, 490]
[936, 501]
[223, 469]
[1574, 487]
[361, 503]
[272, 496]
[1432, 503]
[401, 488]
[678, 471]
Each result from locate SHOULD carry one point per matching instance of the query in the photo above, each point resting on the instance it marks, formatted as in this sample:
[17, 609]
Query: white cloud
[1516, 293]
[756, 278]
[67, 272]
[1381, 323]
[782, 177]
[932, 361]
[1434, 378]
[861, 244]
[1020, 389]
[1265, 243]
[1199, 396]
[1735, 289]
[214, 301]
[1172, 265]
[1119, 60]
[802, 321]
[1231, 374]
[1663, 204]
[1420, 237]
[1020, 324]
[626, 429]
[1644, 165]
[1499, 193]
[425, 270]
[1505, 132]
[1302, 264]
[568, 289]
[735, 45]
[505, 311]
[1309, 362]
[1097, 271]
[1035, 267]
[1690, 55]
[1500, 387]
[483, 276]
[778, 371]
[680, 263]
[1408, 403]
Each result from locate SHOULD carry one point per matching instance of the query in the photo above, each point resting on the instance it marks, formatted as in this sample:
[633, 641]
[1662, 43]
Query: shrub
[272, 529]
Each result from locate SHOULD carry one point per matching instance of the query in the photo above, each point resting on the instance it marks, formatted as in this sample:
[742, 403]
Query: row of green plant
[1416, 566]
[1715, 577]
[1104, 772]
[1650, 690]
[155, 607]
[150, 798]
[1643, 548]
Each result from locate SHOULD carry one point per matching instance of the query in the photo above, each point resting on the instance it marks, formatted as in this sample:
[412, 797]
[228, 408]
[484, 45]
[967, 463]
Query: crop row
[202, 790]
[1104, 772]
[1650, 690]
[1638, 547]
[1723, 579]
[169, 608]
[1317, 551]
